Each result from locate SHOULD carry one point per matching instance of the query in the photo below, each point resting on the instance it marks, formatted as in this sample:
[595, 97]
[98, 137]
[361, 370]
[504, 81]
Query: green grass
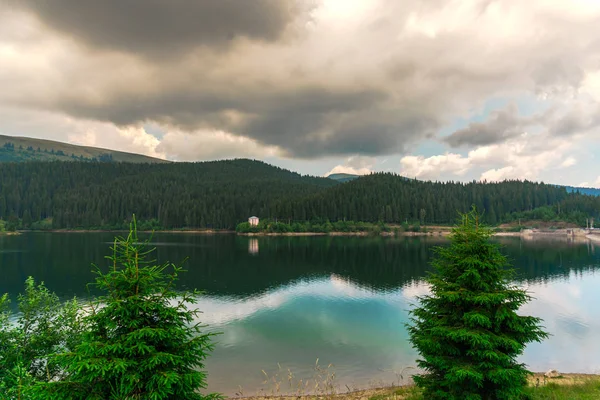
[582, 390]
[405, 393]
[553, 391]
[22, 154]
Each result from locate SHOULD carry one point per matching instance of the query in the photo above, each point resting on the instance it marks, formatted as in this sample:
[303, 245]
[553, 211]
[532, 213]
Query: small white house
[253, 221]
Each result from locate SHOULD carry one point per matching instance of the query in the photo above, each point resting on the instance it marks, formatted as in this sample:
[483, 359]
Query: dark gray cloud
[304, 122]
[163, 27]
[501, 125]
[578, 120]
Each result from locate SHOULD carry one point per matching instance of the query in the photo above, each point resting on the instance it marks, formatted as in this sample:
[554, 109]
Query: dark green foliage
[467, 331]
[315, 226]
[42, 326]
[214, 195]
[394, 199]
[221, 194]
[142, 341]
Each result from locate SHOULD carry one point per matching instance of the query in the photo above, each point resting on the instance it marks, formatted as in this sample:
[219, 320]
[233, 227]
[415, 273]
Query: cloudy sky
[436, 89]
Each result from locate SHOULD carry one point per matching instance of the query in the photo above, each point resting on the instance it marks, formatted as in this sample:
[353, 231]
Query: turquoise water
[283, 303]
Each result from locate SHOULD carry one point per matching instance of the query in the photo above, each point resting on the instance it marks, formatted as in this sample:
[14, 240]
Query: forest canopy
[221, 194]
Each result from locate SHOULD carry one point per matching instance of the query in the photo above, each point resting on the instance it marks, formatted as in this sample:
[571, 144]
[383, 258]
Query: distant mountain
[588, 191]
[19, 149]
[343, 177]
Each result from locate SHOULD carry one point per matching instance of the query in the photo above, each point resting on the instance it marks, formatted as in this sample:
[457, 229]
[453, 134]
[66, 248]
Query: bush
[41, 327]
[467, 331]
[45, 224]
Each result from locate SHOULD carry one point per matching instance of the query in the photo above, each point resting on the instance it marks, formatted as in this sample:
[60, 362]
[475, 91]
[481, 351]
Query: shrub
[41, 327]
[467, 331]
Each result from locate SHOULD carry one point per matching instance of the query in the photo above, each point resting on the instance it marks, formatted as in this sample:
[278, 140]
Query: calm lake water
[281, 303]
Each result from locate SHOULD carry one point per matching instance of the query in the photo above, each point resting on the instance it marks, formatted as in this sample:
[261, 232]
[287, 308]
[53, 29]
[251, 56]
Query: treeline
[393, 199]
[318, 226]
[221, 194]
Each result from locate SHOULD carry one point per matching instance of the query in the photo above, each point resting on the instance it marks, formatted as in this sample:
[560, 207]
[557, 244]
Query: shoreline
[192, 231]
[579, 234]
[402, 391]
[594, 238]
[10, 233]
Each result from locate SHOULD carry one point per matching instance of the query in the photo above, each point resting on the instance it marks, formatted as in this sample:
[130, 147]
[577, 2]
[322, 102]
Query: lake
[283, 302]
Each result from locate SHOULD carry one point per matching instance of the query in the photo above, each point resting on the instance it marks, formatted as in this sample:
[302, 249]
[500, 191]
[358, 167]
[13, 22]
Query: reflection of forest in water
[228, 265]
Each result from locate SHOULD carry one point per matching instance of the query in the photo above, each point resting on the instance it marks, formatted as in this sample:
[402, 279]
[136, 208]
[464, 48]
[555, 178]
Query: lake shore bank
[594, 238]
[190, 231]
[576, 383]
[579, 234]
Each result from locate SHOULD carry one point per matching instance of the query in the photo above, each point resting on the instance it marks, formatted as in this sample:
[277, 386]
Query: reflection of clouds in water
[569, 314]
[222, 310]
[359, 318]
[414, 289]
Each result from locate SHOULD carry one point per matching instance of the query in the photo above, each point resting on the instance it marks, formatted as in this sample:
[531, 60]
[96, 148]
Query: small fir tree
[467, 331]
[142, 342]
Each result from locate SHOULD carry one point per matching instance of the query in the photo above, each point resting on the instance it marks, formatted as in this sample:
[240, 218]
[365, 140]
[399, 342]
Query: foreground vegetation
[221, 194]
[137, 341]
[468, 332]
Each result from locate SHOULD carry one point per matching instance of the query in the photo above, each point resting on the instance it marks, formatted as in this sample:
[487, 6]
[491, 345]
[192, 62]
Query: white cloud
[356, 165]
[432, 167]
[520, 158]
[210, 145]
[568, 162]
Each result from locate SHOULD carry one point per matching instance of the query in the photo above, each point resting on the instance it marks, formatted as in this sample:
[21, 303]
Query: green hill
[220, 194]
[392, 198]
[216, 194]
[19, 149]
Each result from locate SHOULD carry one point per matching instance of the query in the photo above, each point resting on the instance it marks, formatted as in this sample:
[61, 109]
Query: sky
[437, 90]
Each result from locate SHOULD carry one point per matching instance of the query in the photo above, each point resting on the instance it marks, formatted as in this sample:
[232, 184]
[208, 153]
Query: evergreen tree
[467, 331]
[142, 341]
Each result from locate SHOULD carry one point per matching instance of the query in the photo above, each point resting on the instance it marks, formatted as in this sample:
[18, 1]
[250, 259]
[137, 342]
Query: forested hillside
[20, 149]
[221, 194]
[392, 198]
[209, 194]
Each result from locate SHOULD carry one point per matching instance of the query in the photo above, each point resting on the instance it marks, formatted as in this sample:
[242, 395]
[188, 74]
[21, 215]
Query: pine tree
[467, 331]
[142, 340]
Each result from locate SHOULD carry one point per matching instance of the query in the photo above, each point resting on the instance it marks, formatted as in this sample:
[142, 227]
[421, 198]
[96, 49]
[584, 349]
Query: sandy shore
[403, 392]
[362, 234]
[197, 232]
[594, 238]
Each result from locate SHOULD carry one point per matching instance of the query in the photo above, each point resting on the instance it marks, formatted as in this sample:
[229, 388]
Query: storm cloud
[156, 28]
[300, 79]
[501, 125]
